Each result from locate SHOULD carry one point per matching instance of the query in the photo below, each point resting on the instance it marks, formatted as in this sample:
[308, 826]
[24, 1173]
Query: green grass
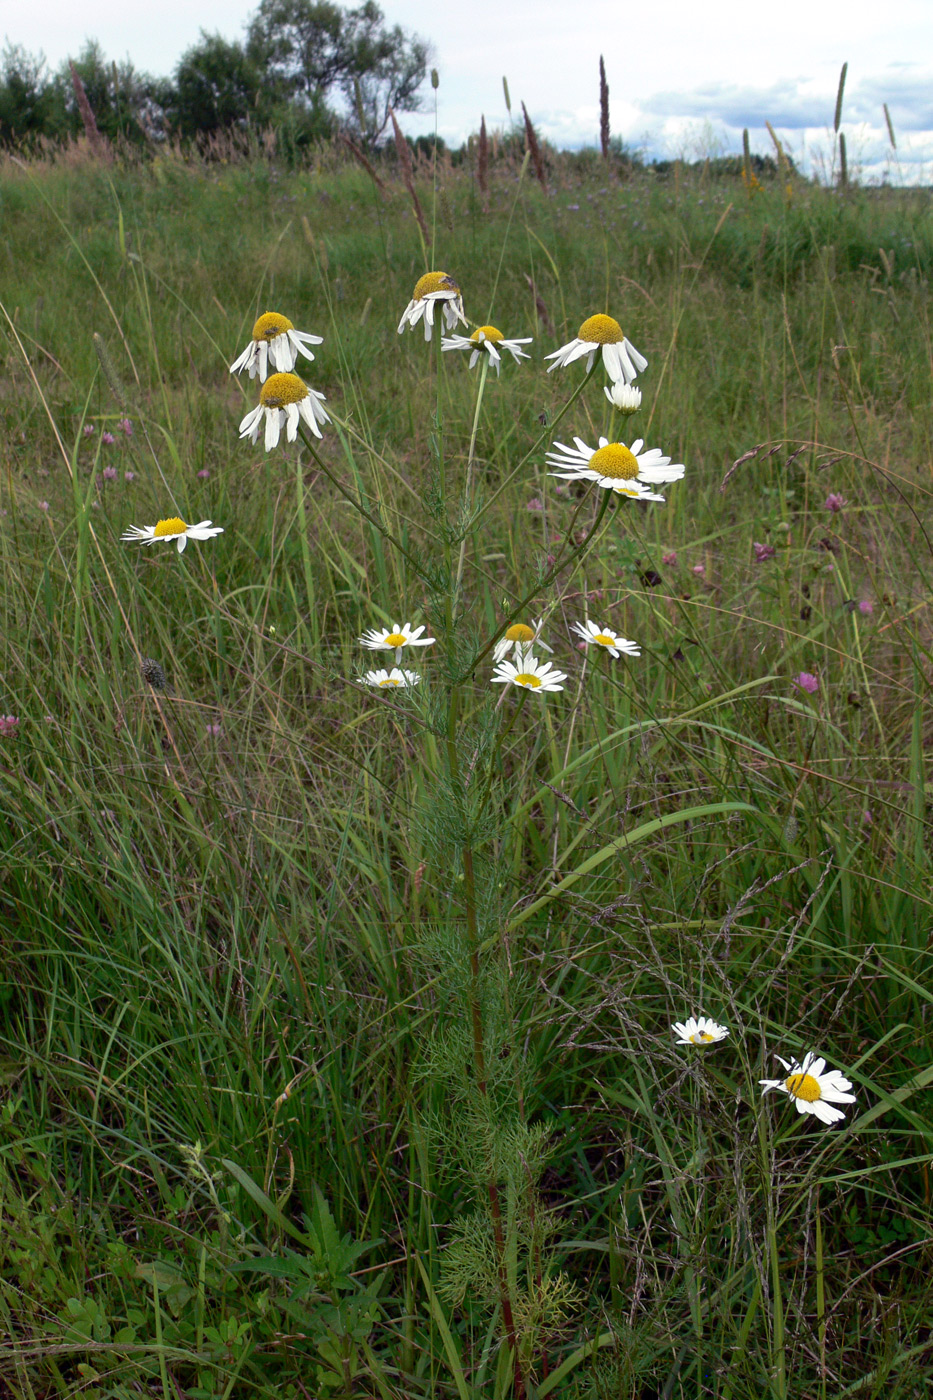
[194, 921]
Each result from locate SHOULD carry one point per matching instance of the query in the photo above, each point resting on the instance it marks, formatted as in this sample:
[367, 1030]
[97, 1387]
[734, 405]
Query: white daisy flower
[621, 359]
[172, 529]
[489, 339]
[615, 467]
[698, 1030]
[434, 288]
[530, 673]
[389, 679]
[812, 1090]
[625, 397]
[275, 341]
[605, 637]
[284, 398]
[394, 638]
[522, 638]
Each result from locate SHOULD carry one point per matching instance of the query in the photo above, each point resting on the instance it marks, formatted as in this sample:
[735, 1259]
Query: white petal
[250, 422]
[302, 338]
[272, 428]
[637, 359]
[242, 360]
[613, 362]
[577, 349]
[306, 411]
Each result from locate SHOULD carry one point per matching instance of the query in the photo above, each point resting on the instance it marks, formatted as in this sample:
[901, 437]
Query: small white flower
[284, 398]
[389, 679]
[625, 397]
[395, 638]
[487, 339]
[605, 637]
[621, 359]
[434, 288]
[698, 1030]
[171, 529]
[529, 672]
[812, 1090]
[522, 638]
[629, 471]
[275, 341]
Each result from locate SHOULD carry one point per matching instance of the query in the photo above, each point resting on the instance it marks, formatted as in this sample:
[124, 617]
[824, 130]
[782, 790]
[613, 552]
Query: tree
[388, 69]
[127, 105]
[309, 49]
[28, 105]
[217, 87]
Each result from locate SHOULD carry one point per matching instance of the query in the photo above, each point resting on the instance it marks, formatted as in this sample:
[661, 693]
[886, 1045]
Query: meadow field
[337, 1053]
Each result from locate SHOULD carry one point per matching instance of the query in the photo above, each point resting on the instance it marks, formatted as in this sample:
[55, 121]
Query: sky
[684, 77]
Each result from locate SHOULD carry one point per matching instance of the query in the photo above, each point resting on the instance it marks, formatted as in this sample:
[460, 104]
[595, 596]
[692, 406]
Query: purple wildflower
[763, 551]
[108, 438]
[110, 473]
[807, 681]
[834, 502]
[9, 724]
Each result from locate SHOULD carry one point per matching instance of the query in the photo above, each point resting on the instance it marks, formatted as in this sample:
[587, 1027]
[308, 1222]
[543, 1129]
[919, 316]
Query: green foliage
[307, 49]
[27, 100]
[300, 57]
[127, 105]
[217, 88]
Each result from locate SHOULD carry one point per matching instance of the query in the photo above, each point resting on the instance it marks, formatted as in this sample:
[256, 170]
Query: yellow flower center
[601, 330]
[701, 1038]
[520, 632]
[603, 640]
[527, 678]
[270, 325]
[280, 389]
[803, 1086]
[396, 639]
[390, 680]
[615, 460]
[487, 333]
[433, 282]
[169, 527]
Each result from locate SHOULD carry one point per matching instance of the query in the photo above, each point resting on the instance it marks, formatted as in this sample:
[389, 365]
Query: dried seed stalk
[534, 149]
[408, 175]
[603, 109]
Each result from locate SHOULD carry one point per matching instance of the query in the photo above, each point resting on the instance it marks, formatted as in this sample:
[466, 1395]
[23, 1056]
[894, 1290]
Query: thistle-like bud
[152, 673]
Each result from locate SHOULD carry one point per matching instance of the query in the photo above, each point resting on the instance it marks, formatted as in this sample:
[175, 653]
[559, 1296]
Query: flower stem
[559, 565]
[542, 437]
[360, 508]
[479, 1070]
[468, 489]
